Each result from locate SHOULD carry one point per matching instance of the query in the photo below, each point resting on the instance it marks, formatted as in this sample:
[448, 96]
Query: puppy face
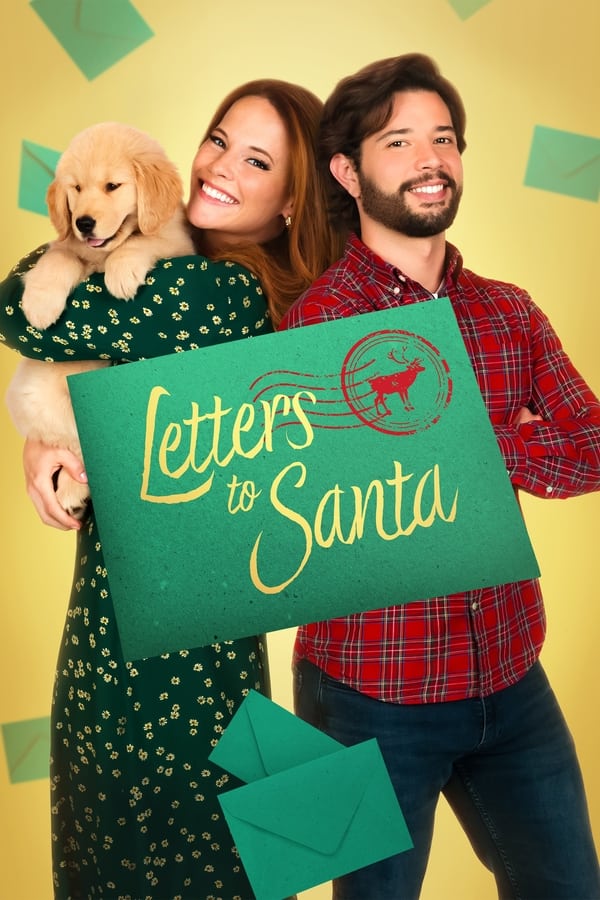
[111, 181]
[102, 203]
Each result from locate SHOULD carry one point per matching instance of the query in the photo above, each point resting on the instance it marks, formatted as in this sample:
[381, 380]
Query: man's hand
[525, 415]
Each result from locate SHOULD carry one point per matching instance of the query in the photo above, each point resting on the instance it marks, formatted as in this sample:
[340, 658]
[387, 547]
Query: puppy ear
[159, 192]
[58, 209]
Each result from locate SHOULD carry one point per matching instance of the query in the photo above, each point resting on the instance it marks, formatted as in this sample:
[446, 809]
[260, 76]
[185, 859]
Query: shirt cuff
[514, 450]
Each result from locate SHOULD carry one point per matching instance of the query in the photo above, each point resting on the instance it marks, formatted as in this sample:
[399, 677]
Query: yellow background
[517, 63]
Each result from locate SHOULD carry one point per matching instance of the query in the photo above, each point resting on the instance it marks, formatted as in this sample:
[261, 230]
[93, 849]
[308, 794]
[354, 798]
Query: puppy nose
[85, 224]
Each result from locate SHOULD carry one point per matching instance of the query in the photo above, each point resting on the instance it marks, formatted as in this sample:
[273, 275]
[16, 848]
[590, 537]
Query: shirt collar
[366, 259]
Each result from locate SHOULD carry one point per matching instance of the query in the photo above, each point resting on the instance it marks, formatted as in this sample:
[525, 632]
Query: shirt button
[396, 290]
[475, 606]
[549, 489]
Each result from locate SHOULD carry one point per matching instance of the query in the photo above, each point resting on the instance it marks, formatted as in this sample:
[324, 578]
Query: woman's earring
[288, 221]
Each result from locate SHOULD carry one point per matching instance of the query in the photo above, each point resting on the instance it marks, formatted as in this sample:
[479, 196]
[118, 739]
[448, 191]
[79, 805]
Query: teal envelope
[467, 8]
[264, 738]
[27, 749]
[95, 34]
[565, 163]
[37, 171]
[313, 810]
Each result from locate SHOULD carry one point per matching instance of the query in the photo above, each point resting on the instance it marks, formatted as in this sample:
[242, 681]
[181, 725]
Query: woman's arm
[185, 303]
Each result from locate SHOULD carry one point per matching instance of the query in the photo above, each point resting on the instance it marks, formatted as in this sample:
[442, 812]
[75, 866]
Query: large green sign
[296, 477]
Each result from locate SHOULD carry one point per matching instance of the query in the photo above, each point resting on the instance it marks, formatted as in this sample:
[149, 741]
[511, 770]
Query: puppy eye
[111, 187]
[78, 188]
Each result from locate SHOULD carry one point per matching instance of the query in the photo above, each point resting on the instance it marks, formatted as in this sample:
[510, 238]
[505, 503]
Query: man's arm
[556, 453]
[551, 447]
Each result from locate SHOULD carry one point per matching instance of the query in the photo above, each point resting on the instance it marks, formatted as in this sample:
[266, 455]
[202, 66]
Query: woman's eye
[217, 140]
[259, 163]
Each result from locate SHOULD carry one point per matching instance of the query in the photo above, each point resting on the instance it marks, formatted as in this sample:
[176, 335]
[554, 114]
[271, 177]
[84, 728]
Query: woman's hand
[40, 463]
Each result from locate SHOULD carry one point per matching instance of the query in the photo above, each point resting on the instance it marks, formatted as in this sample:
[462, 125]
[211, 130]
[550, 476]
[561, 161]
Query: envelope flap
[312, 805]
[284, 740]
[263, 738]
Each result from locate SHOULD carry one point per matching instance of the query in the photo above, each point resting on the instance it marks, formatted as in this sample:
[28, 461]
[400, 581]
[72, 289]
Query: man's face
[410, 173]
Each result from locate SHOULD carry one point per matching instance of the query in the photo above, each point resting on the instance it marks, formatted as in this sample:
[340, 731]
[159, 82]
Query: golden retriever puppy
[116, 202]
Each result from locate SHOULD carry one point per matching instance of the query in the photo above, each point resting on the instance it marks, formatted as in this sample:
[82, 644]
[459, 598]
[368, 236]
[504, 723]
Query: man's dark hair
[361, 104]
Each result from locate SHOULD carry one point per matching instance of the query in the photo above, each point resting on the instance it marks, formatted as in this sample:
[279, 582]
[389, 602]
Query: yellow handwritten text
[172, 449]
[329, 523]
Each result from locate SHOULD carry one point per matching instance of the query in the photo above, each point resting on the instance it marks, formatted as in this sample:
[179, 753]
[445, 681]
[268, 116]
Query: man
[452, 686]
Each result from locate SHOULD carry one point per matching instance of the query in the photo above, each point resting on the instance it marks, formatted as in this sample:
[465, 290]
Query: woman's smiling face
[240, 176]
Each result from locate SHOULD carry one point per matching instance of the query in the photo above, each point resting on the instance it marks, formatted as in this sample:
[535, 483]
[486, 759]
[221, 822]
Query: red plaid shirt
[474, 643]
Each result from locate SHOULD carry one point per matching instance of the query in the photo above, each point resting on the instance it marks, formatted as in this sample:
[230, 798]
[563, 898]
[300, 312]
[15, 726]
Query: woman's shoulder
[201, 268]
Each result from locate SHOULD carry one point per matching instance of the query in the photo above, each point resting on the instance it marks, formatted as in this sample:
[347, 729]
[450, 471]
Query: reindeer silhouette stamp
[396, 382]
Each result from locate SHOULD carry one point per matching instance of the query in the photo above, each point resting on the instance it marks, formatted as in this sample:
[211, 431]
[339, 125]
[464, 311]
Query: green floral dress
[133, 797]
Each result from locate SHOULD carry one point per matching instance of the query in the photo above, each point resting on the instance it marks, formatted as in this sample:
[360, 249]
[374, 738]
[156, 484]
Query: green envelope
[565, 163]
[314, 810]
[27, 749]
[467, 8]
[96, 35]
[37, 171]
[264, 738]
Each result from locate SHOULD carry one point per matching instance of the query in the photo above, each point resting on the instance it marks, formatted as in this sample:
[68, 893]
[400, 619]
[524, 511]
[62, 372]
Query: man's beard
[393, 212]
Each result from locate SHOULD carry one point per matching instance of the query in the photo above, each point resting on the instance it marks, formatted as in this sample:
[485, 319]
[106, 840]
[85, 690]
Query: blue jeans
[505, 763]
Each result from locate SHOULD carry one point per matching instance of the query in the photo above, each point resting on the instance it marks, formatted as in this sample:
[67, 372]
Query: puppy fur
[116, 204]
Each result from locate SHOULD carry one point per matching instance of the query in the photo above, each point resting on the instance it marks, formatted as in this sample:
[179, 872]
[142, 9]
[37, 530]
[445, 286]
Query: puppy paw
[73, 496]
[42, 306]
[123, 281]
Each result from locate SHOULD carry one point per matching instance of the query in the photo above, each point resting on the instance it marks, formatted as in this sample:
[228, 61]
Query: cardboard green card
[313, 810]
[295, 477]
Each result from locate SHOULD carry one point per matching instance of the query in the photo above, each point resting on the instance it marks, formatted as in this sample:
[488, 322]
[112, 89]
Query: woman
[134, 798]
